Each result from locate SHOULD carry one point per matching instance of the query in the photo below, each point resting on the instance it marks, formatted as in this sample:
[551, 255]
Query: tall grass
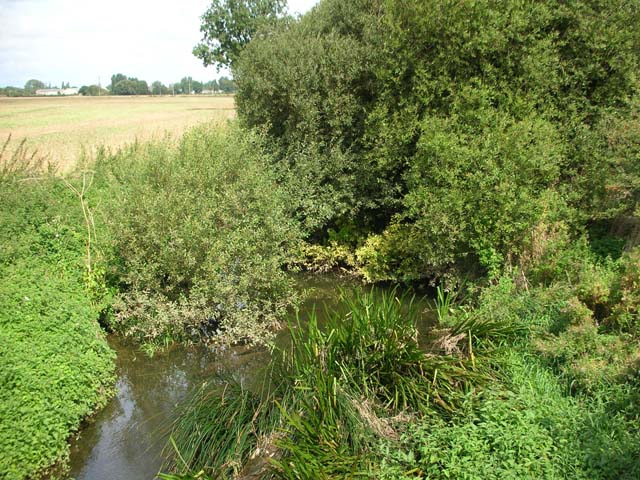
[332, 392]
[20, 161]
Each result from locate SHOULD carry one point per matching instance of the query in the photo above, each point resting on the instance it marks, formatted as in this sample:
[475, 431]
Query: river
[124, 441]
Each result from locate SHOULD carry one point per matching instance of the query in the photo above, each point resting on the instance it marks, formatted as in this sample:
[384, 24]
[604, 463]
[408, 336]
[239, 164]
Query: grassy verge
[55, 365]
[564, 404]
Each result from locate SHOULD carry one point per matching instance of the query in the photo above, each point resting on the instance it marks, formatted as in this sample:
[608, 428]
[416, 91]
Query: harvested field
[60, 127]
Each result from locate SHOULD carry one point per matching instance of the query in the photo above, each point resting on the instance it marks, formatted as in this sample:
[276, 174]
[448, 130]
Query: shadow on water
[125, 440]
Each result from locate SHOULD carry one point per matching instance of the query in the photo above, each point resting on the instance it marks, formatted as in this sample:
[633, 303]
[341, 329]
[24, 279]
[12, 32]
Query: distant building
[57, 91]
[48, 91]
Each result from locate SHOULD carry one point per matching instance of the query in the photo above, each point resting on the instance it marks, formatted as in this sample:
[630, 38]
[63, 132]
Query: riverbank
[162, 242]
[126, 439]
[55, 365]
[191, 241]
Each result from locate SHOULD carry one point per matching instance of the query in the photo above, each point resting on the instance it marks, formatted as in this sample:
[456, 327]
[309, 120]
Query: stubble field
[59, 128]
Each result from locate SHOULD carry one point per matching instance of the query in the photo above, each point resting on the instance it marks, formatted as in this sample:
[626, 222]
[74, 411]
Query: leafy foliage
[513, 434]
[228, 25]
[55, 365]
[200, 234]
[447, 133]
[626, 313]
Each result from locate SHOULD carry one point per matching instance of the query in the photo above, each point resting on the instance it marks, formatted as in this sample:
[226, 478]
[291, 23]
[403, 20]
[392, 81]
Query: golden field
[59, 128]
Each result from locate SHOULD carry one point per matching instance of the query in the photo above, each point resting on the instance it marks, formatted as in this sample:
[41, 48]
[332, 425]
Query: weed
[55, 365]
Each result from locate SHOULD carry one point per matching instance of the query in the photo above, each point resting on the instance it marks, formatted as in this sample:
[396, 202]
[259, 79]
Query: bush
[55, 365]
[200, 232]
[626, 311]
[478, 185]
[447, 133]
[314, 118]
[56, 370]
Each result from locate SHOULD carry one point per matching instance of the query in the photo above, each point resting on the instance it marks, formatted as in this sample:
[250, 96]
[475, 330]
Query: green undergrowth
[519, 381]
[526, 428]
[55, 365]
[565, 403]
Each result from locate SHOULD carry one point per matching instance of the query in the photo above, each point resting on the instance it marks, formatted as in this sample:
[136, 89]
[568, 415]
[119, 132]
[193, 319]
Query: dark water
[124, 441]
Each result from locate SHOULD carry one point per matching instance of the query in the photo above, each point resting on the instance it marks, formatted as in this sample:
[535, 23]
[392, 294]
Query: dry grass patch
[60, 128]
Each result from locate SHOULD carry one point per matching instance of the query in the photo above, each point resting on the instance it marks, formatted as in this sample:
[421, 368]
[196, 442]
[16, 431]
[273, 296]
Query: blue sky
[82, 41]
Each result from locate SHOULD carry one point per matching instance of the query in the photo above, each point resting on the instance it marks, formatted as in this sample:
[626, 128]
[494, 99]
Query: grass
[331, 394]
[60, 128]
[563, 403]
[500, 391]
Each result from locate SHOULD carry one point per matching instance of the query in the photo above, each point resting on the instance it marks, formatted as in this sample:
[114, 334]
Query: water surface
[125, 439]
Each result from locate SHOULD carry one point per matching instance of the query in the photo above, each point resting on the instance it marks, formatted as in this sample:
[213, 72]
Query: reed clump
[328, 396]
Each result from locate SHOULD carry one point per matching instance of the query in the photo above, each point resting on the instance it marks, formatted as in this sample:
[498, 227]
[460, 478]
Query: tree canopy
[435, 134]
[228, 25]
[32, 85]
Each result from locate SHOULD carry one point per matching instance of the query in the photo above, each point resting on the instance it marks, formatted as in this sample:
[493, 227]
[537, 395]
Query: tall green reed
[332, 391]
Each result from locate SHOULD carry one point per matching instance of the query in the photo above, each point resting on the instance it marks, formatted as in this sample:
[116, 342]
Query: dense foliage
[329, 396]
[55, 365]
[437, 136]
[200, 232]
[512, 383]
[228, 25]
[420, 141]
[433, 141]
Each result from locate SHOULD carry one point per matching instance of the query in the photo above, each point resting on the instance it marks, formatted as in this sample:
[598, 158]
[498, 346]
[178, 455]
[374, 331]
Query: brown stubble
[61, 128]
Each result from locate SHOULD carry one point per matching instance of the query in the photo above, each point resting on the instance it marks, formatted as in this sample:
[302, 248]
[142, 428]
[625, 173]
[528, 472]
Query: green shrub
[531, 429]
[478, 184]
[626, 309]
[446, 133]
[200, 232]
[322, 259]
[55, 365]
[586, 359]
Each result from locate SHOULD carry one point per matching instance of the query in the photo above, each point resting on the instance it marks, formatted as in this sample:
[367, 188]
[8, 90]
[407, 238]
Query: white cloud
[81, 41]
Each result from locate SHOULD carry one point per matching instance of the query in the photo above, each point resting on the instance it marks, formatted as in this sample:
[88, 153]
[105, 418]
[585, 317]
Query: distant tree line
[93, 90]
[188, 85]
[29, 89]
[123, 85]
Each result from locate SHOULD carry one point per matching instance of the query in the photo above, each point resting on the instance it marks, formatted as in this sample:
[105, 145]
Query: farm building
[57, 91]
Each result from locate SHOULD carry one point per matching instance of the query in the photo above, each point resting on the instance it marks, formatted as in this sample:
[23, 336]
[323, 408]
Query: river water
[124, 441]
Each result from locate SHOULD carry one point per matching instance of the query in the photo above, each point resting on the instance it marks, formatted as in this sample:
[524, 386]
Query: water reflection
[126, 438]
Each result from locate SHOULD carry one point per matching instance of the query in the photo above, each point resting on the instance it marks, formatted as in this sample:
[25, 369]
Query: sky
[86, 41]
